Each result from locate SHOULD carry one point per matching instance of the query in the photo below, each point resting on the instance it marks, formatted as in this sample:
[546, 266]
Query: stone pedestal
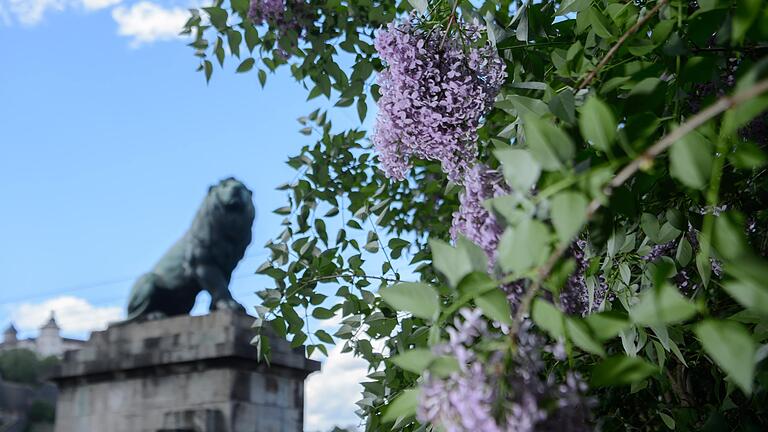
[181, 374]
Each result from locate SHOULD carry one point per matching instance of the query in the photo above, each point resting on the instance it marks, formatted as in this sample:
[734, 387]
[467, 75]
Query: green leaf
[262, 77]
[404, 405]
[522, 106]
[419, 5]
[208, 68]
[476, 283]
[478, 260]
[246, 65]
[524, 246]
[372, 246]
[444, 366]
[597, 124]
[650, 225]
[218, 17]
[419, 299]
[362, 108]
[235, 39]
[251, 36]
[667, 233]
[728, 236]
[562, 105]
[731, 347]
[569, 212]
[599, 23]
[415, 360]
[495, 306]
[240, 6]
[621, 370]
[668, 421]
[449, 261]
[569, 6]
[745, 13]
[548, 144]
[548, 317]
[521, 171]
[606, 325]
[324, 336]
[691, 160]
[662, 305]
[738, 116]
[751, 295]
[747, 156]
[579, 333]
[322, 313]
[704, 267]
[684, 252]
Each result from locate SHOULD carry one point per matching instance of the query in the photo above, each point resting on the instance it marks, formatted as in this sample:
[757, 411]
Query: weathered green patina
[203, 259]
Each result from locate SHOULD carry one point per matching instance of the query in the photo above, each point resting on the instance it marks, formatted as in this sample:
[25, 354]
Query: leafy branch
[645, 159]
[615, 48]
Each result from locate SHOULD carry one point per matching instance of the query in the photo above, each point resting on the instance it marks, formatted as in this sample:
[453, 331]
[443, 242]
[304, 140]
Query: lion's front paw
[228, 304]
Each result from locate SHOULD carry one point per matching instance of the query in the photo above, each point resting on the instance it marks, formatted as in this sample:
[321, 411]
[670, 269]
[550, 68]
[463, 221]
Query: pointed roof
[11, 329]
[51, 323]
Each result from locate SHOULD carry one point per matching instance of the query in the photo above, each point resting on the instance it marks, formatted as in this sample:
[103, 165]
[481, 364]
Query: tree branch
[615, 48]
[721, 105]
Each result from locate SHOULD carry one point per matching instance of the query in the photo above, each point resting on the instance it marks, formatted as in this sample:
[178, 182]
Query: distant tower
[49, 341]
[9, 337]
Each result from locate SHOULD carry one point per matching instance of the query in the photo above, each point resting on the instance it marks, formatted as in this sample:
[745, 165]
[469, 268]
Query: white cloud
[148, 22]
[31, 12]
[341, 376]
[73, 314]
[99, 4]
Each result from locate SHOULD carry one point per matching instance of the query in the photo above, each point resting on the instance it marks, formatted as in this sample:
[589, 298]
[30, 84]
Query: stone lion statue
[202, 259]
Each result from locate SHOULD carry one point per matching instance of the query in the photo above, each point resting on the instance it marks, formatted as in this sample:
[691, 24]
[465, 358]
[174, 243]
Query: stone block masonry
[182, 374]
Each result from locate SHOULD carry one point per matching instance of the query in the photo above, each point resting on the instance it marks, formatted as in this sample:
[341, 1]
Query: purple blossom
[660, 250]
[574, 298]
[434, 93]
[284, 16]
[472, 400]
[271, 11]
[473, 220]
[684, 283]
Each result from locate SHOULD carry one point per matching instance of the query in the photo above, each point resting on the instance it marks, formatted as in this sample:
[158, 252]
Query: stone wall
[16, 401]
[182, 374]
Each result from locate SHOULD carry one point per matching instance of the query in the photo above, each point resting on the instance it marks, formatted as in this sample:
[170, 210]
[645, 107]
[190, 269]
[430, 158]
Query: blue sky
[108, 142]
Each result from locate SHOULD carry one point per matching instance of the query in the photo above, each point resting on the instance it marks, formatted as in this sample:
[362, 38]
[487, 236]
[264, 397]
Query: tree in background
[25, 366]
[566, 200]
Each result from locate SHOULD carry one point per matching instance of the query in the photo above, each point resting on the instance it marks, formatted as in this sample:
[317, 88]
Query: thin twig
[615, 48]
[336, 276]
[450, 22]
[381, 245]
[720, 106]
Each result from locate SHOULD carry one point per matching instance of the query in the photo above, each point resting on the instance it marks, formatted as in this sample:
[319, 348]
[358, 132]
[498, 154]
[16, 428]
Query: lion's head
[232, 194]
[228, 208]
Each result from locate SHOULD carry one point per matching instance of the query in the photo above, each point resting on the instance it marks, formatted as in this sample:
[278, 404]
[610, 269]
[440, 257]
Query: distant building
[48, 343]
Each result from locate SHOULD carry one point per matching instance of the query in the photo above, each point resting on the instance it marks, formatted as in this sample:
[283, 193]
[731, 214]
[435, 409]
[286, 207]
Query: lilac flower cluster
[682, 278]
[472, 399]
[660, 250]
[271, 11]
[283, 15]
[574, 298]
[473, 220]
[434, 92]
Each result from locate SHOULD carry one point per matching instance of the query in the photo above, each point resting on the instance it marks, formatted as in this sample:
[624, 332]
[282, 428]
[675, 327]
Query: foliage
[24, 366]
[41, 412]
[631, 137]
